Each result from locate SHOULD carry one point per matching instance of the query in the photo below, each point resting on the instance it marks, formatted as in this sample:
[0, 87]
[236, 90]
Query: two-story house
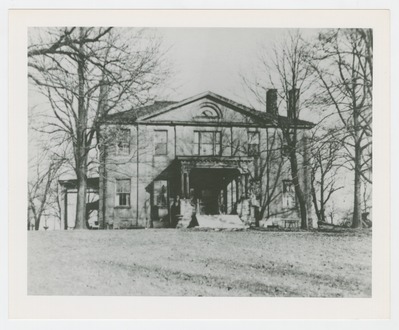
[220, 157]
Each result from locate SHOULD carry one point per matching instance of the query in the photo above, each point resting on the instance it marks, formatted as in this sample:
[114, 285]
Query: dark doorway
[210, 188]
[209, 201]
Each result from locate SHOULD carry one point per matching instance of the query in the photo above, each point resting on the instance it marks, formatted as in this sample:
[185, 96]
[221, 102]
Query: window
[289, 199]
[207, 143]
[160, 193]
[253, 143]
[210, 114]
[288, 186]
[123, 145]
[122, 192]
[208, 111]
[285, 150]
[161, 143]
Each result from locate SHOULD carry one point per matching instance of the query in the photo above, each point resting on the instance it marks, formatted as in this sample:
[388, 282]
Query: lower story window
[122, 192]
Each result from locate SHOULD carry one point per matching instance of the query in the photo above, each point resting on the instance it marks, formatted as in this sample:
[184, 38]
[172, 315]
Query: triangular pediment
[203, 108]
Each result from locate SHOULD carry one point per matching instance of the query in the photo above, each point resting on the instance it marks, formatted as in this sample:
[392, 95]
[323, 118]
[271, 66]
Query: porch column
[243, 188]
[232, 186]
[246, 184]
[182, 184]
[225, 199]
[238, 187]
[187, 184]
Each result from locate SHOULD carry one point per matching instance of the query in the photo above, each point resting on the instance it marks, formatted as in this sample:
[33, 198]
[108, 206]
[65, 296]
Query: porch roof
[203, 162]
[216, 161]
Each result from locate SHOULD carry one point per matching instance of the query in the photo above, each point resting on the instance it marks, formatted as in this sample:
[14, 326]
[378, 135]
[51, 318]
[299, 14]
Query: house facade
[219, 157]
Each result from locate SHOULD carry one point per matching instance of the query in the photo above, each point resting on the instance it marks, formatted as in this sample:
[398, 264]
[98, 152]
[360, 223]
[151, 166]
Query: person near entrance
[193, 203]
[175, 210]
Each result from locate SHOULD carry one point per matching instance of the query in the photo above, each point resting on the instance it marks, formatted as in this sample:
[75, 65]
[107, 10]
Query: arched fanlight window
[209, 111]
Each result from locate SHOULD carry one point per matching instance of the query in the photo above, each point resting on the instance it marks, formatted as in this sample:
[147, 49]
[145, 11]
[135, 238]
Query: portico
[215, 183]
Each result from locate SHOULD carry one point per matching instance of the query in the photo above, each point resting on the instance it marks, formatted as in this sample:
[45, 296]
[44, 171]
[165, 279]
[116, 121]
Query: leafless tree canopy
[86, 73]
[333, 74]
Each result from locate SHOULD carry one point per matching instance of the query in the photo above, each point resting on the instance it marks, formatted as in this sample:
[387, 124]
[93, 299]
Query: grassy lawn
[168, 262]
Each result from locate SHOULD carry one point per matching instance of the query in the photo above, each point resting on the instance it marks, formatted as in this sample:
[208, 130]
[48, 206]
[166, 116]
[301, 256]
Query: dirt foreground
[169, 262]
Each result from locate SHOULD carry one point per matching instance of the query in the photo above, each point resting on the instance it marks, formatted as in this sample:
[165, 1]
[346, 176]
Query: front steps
[220, 221]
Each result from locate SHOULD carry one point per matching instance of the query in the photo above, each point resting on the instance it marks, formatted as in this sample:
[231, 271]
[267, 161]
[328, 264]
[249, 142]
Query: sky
[209, 59]
[213, 58]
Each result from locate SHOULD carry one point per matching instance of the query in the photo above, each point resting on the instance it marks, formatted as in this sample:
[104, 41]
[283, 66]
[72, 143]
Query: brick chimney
[271, 102]
[293, 103]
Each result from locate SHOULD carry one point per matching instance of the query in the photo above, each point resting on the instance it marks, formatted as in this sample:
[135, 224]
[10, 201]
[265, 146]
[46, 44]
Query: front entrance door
[209, 201]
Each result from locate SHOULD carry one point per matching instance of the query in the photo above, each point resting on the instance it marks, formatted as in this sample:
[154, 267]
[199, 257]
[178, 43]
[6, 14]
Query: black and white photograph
[199, 165]
[200, 161]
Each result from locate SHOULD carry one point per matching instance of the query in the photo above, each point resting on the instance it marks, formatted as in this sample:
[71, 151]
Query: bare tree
[289, 72]
[40, 187]
[344, 65]
[271, 168]
[326, 157]
[265, 179]
[85, 73]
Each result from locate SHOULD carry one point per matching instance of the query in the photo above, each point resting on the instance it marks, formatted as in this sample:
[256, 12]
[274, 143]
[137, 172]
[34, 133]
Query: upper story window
[122, 197]
[207, 143]
[285, 150]
[123, 142]
[289, 199]
[161, 142]
[253, 143]
[288, 187]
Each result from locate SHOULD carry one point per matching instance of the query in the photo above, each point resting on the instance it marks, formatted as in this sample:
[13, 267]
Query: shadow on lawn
[197, 281]
[194, 284]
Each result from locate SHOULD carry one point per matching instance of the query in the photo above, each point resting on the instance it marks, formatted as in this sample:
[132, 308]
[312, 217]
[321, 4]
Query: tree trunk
[81, 152]
[298, 191]
[81, 147]
[102, 188]
[81, 199]
[323, 215]
[37, 223]
[357, 206]
[356, 222]
[316, 207]
[65, 194]
[322, 203]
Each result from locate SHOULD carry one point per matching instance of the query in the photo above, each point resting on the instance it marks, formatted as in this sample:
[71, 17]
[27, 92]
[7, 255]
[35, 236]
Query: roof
[141, 114]
[132, 115]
